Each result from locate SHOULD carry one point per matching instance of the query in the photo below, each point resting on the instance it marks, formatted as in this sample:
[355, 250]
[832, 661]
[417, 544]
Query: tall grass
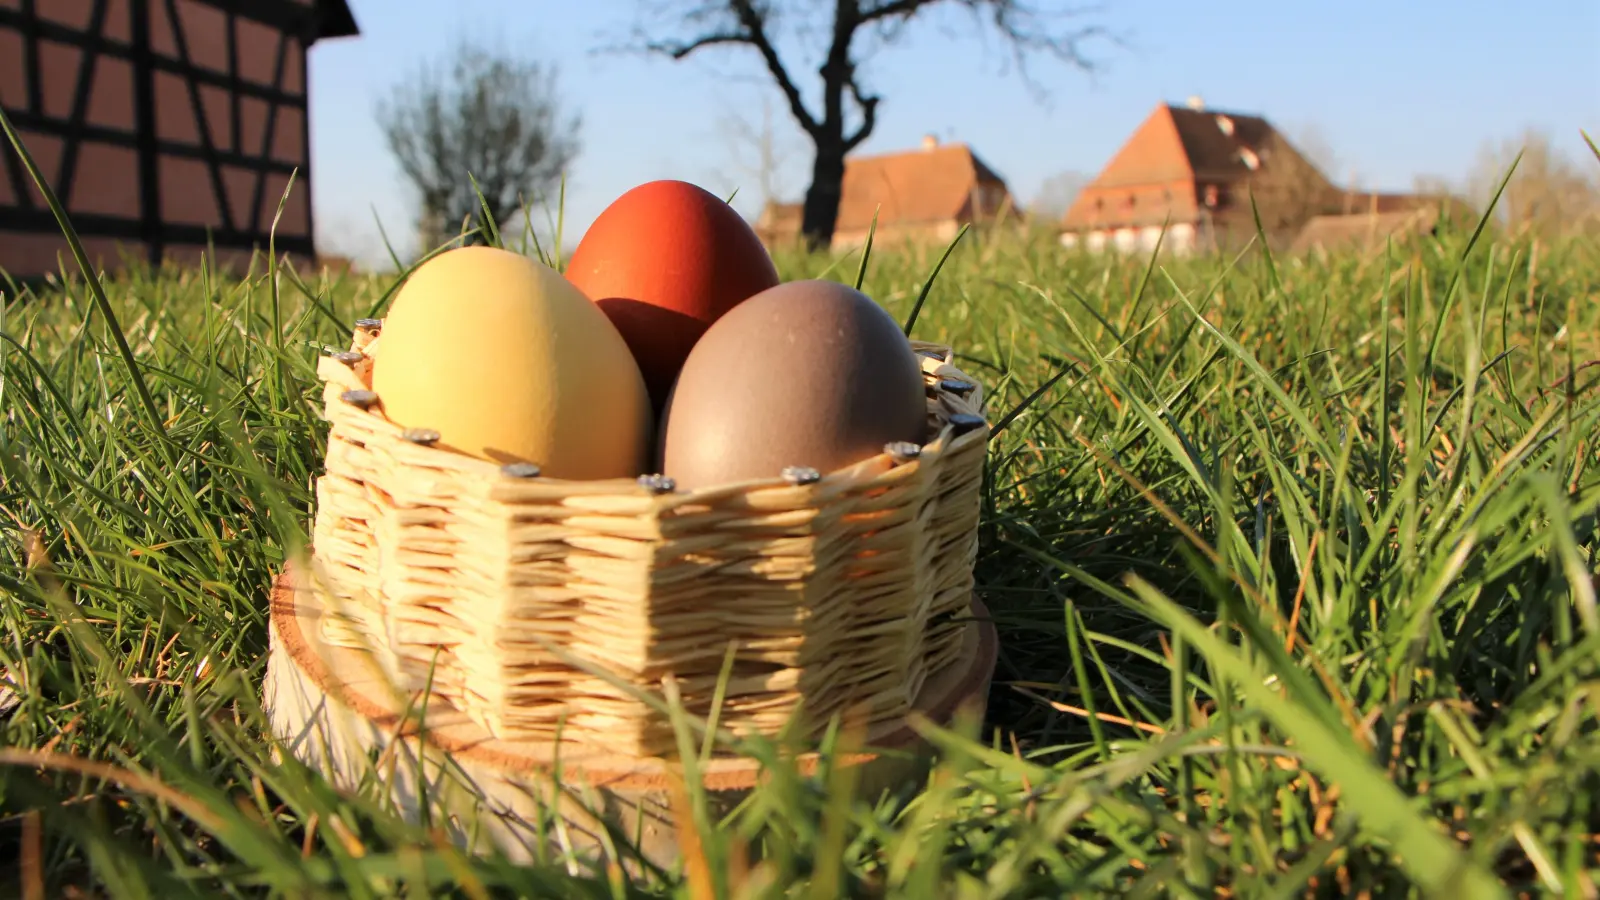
[1293, 562]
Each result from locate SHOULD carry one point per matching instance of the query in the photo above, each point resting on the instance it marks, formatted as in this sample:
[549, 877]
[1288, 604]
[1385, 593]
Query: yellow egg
[509, 362]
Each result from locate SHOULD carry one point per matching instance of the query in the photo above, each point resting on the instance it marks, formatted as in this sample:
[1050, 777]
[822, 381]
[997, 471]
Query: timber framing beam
[86, 225]
[242, 218]
[105, 46]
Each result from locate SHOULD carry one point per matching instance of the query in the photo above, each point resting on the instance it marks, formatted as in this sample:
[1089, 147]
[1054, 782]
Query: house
[1361, 231]
[779, 223]
[162, 125]
[1371, 220]
[925, 194]
[1195, 171]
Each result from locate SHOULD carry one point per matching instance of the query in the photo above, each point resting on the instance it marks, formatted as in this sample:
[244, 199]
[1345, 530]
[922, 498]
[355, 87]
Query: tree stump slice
[332, 708]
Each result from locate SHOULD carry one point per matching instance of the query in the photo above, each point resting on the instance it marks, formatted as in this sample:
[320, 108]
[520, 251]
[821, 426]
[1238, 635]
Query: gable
[1153, 153]
[1148, 180]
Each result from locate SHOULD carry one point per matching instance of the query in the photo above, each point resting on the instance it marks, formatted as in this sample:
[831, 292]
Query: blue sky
[1394, 88]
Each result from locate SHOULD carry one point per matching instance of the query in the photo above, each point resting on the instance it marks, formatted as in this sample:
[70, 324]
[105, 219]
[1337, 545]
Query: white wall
[1179, 239]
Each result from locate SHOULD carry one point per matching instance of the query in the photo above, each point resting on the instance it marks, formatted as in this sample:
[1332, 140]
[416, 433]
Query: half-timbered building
[164, 127]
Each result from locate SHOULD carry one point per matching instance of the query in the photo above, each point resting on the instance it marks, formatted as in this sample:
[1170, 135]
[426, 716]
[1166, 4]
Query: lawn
[1293, 564]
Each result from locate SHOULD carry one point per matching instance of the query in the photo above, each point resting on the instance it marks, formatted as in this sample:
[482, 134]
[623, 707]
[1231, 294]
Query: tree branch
[869, 115]
[892, 10]
[748, 28]
[850, 29]
[1023, 28]
[679, 49]
[755, 26]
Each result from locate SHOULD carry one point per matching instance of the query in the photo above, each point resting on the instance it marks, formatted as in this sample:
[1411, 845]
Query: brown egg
[808, 373]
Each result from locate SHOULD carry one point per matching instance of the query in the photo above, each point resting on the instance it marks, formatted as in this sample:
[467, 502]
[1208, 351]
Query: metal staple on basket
[503, 592]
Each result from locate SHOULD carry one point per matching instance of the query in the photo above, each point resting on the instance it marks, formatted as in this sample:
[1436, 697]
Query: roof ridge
[916, 151]
[1214, 111]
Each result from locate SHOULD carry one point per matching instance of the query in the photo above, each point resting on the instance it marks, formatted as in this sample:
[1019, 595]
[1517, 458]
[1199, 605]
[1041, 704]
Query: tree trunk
[821, 212]
[430, 230]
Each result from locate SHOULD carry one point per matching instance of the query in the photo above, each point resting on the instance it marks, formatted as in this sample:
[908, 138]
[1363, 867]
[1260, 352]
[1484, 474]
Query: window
[1251, 161]
[1211, 195]
[1225, 125]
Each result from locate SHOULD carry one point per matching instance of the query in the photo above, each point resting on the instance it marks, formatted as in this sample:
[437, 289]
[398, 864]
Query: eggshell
[511, 363]
[666, 260]
[808, 373]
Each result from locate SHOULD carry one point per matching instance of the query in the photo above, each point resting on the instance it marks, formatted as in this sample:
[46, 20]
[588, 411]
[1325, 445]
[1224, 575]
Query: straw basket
[538, 607]
[334, 711]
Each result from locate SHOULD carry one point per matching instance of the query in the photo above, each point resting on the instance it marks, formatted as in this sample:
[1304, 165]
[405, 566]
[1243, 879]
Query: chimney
[930, 141]
[1195, 103]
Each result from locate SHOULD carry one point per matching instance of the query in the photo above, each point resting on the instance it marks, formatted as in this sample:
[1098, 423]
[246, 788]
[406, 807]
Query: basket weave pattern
[846, 592]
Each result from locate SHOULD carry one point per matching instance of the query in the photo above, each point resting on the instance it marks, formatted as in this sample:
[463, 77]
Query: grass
[1293, 562]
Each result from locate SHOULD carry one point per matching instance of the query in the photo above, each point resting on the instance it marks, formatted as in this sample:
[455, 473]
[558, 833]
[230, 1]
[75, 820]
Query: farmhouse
[925, 194]
[162, 125]
[1195, 171]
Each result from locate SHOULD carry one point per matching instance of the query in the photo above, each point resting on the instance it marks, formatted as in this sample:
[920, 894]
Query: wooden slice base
[333, 710]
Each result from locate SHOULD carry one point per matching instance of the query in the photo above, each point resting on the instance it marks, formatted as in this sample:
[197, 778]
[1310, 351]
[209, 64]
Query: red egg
[664, 261]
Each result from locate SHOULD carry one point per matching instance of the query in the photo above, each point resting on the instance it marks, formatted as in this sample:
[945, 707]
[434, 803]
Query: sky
[1395, 89]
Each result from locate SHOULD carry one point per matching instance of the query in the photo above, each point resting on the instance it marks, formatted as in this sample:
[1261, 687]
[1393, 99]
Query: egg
[664, 261]
[808, 373]
[509, 362]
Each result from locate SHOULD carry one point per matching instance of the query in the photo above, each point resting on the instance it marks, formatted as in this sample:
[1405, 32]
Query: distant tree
[1314, 145]
[1455, 205]
[758, 154]
[1433, 185]
[483, 113]
[1056, 194]
[1549, 194]
[850, 30]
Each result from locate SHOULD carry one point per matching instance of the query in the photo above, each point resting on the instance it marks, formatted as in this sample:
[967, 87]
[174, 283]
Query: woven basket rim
[494, 473]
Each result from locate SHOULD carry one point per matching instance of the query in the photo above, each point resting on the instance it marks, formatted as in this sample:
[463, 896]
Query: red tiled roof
[1153, 154]
[915, 186]
[1175, 154]
[1212, 152]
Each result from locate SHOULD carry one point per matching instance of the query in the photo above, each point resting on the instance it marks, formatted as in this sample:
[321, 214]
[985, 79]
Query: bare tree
[482, 113]
[1056, 194]
[850, 30]
[1428, 185]
[1548, 194]
[1317, 150]
[756, 152]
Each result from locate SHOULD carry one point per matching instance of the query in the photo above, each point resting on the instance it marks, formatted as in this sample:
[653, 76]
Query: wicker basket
[845, 590]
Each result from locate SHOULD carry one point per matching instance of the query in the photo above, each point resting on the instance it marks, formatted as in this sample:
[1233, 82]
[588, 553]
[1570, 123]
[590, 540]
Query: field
[1293, 561]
